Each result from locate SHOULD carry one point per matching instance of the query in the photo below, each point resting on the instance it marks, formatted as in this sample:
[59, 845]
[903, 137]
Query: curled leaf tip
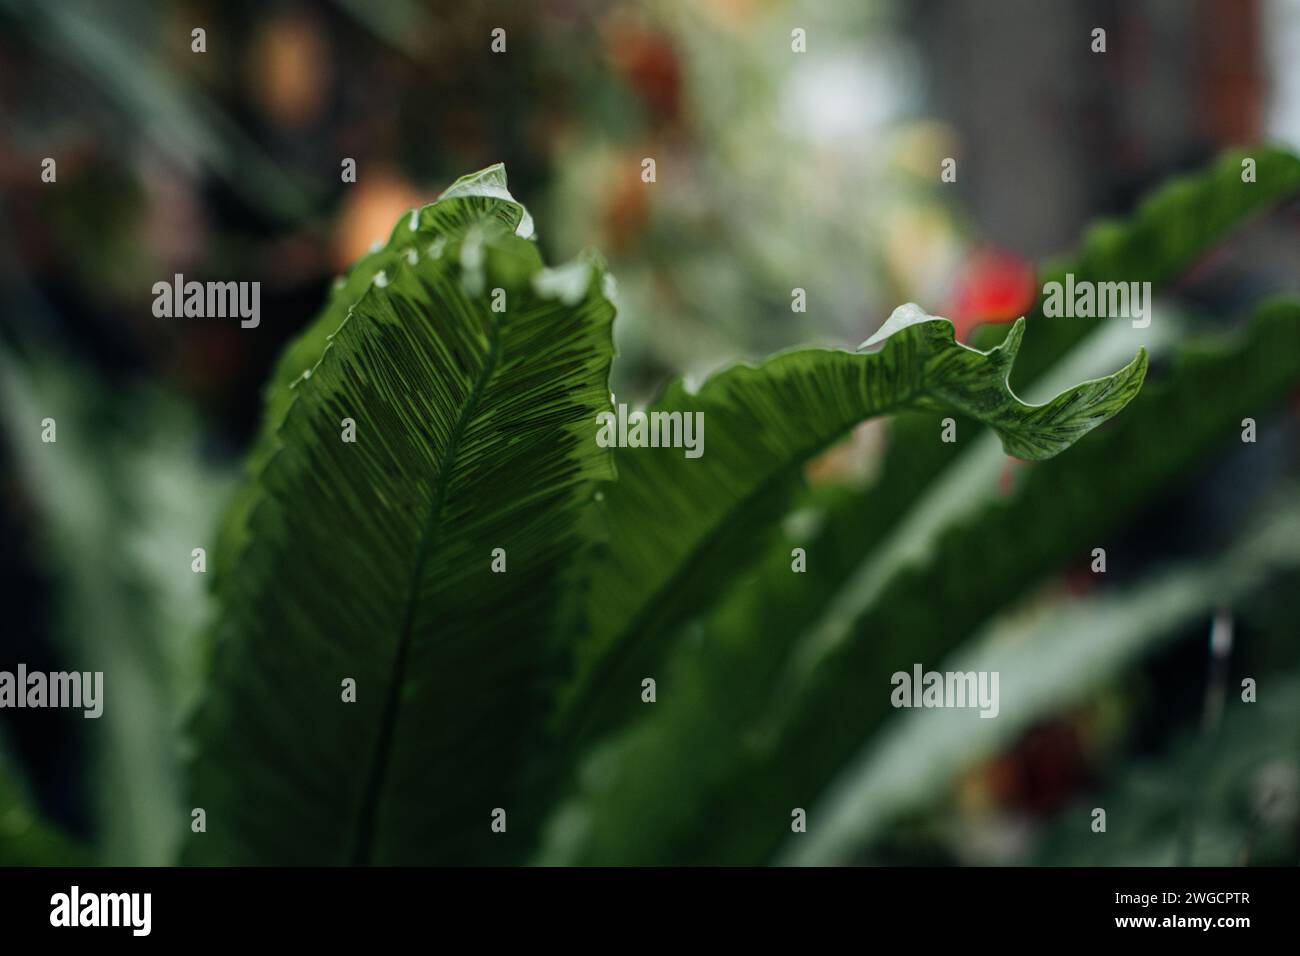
[907, 314]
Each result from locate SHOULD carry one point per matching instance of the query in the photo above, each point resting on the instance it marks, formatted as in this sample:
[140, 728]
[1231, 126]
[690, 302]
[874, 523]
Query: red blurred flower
[994, 286]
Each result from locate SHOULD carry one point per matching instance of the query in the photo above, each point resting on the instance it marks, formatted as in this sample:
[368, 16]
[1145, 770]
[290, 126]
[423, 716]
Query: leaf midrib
[367, 816]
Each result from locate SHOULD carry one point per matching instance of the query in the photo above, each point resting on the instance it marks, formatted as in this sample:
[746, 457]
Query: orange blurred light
[289, 70]
[371, 207]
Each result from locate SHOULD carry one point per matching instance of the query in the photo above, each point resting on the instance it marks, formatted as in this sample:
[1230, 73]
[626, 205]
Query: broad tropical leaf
[370, 561]
[977, 566]
[672, 516]
[767, 701]
[482, 197]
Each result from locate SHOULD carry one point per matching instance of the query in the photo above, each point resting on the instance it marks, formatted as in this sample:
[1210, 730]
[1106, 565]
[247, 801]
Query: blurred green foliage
[773, 686]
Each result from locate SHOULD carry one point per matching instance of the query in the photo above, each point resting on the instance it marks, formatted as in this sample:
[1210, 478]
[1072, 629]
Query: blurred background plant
[775, 171]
